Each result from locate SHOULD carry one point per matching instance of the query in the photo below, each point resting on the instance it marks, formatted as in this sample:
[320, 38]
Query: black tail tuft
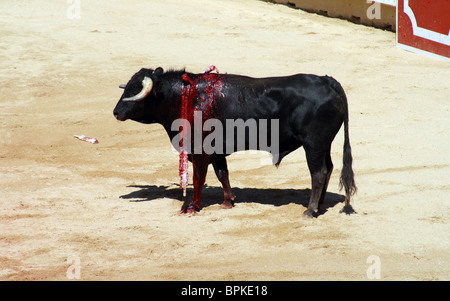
[347, 180]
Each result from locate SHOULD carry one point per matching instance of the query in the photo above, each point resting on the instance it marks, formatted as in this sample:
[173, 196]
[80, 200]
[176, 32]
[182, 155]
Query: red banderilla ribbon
[210, 69]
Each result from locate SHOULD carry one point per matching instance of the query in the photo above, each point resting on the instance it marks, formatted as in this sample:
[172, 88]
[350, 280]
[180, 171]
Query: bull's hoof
[309, 213]
[227, 205]
[190, 210]
[348, 209]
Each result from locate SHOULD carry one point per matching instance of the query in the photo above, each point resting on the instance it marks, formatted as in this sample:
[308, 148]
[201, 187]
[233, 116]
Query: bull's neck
[169, 108]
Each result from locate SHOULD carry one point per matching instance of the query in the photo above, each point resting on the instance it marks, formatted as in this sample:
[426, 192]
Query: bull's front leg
[200, 167]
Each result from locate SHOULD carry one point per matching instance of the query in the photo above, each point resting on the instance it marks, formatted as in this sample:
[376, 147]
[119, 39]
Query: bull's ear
[158, 71]
[157, 83]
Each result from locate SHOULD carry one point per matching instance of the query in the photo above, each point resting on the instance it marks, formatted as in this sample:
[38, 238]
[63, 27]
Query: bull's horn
[122, 86]
[147, 85]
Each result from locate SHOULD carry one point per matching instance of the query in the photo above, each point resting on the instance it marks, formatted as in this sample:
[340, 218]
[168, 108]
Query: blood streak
[187, 98]
[199, 94]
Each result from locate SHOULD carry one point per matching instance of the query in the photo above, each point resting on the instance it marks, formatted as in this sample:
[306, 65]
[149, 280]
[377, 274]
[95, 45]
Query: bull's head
[136, 100]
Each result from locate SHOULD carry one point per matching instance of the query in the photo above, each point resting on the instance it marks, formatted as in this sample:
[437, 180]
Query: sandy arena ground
[114, 205]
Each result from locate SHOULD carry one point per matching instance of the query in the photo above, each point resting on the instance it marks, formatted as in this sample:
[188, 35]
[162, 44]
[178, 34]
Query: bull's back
[273, 97]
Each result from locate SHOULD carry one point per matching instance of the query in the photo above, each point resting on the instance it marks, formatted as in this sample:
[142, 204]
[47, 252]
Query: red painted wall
[432, 19]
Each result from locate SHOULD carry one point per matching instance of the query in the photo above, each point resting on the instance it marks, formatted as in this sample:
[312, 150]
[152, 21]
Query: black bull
[309, 109]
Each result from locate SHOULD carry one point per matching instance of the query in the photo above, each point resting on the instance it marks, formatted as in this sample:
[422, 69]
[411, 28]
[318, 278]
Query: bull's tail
[347, 180]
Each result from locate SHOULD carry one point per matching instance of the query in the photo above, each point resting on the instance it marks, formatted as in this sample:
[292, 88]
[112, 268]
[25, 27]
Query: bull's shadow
[212, 195]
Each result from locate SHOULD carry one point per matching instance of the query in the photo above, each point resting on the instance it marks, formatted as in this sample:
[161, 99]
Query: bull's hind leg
[329, 166]
[221, 169]
[320, 167]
